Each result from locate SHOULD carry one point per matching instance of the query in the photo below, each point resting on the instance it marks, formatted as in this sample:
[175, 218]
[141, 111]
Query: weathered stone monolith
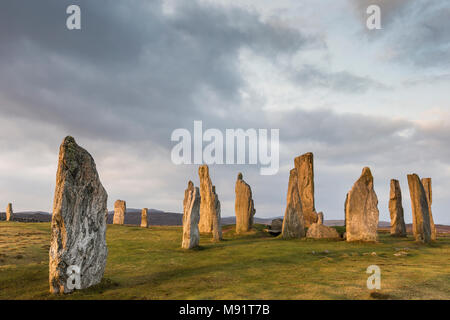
[361, 210]
[293, 222]
[78, 251]
[209, 205]
[426, 182]
[120, 209]
[191, 217]
[419, 205]
[398, 228]
[305, 173]
[144, 218]
[244, 206]
[320, 218]
[9, 212]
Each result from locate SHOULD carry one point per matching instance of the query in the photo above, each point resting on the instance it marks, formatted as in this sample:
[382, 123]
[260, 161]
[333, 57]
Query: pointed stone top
[367, 174]
[190, 184]
[69, 139]
[240, 177]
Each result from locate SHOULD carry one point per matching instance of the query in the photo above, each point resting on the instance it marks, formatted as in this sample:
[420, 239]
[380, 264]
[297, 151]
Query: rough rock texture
[319, 231]
[144, 218]
[209, 205]
[419, 205]
[426, 182]
[244, 206]
[9, 212]
[276, 226]
[120, 209]
[361, 210]
[78, 221]
[320, 218]
[398, 227]
[191, 217]
[305, 173]
[293, 222]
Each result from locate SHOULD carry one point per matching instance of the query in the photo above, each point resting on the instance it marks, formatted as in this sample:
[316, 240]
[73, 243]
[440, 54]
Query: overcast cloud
[138, 70]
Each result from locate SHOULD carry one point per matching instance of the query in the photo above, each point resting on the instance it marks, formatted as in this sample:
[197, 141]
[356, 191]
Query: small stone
[120, 209]
[9, 212]
[144, 218]
[319, 231]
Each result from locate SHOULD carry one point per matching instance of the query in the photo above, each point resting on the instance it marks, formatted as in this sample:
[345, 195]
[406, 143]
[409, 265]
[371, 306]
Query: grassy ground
[149, 264]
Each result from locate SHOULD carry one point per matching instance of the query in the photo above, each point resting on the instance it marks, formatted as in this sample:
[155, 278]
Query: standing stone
[244, 206]
[78, 222]
[426, 182]
[120, 209]
[293, 222]
[419, 205]
[144, 219]
[305, 173]
[9, 212]
[361, 210]
[320, 218]
[398, 228]
[209, 205]
[191, 217]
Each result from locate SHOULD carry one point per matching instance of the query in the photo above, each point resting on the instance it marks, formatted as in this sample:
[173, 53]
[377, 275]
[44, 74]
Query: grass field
[149, 264]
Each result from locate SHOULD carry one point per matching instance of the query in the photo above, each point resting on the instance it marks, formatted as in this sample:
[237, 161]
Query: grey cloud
[311, 77]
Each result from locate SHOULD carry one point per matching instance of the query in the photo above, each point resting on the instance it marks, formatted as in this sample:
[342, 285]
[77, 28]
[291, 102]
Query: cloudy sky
[137, 70]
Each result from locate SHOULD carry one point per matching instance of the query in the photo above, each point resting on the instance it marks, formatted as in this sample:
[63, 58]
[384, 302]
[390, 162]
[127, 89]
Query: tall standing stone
[144, 218]
[78, 241]
[361, 210]
[419, 205]
[293, 222]
[191, 217]
[244, 206]
[9, 212]
[426, 182]
[398, 227]
[120, 209]
[209, 205]
[305, 173]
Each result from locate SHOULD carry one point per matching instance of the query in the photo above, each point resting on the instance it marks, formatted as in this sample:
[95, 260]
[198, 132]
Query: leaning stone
[209, 205]
[319, 231]
[244, 206]
[305, 173]
[191, 217]
[293, 222]
[361, 210]
[9, 212]
[120, 209]
[78, 226]
[144, 218]
[419, 205]
[426, 182]
[398, 227]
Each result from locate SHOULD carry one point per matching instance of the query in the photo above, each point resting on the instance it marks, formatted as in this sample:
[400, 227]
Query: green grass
[149, 264]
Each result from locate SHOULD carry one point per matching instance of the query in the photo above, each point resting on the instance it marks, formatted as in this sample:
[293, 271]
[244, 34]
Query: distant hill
[162, 218]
